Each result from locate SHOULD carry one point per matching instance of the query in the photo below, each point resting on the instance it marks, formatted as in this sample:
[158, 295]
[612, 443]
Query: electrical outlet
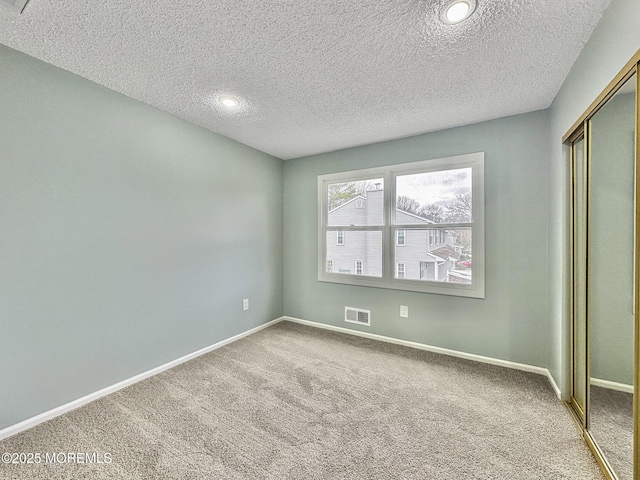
[404, 311]
[245, 304]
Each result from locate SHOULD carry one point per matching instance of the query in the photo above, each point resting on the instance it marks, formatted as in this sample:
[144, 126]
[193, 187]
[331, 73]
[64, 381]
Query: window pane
[436, 255]
[434, 197]
[361, 253]
[356, 203]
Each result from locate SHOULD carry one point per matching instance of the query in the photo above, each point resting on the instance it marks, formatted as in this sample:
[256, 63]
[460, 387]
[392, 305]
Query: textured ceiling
[314, 75]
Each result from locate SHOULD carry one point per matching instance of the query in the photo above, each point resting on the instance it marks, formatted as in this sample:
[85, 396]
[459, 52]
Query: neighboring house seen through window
[425, 218]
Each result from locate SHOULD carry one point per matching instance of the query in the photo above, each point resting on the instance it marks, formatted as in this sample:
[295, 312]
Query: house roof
[465, 274]
[414, 216]
[346, 203]
[446, 251]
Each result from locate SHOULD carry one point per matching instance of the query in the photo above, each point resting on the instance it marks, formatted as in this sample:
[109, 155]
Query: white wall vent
[357, 315]
[17, 5]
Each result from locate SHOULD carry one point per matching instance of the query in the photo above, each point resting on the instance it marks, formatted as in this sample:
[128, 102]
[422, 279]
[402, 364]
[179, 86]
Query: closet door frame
[575, 287]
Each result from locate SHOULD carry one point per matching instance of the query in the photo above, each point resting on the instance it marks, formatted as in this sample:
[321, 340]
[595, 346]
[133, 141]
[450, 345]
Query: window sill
[437, 288]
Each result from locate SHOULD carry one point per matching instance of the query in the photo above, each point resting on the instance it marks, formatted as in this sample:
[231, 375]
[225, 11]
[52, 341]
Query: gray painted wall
[614, 41]
[511, 322]
[128, 237]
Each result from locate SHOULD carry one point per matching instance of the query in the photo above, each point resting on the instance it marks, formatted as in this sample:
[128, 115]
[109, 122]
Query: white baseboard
[48, 415]
[554, 385]
[430, 348]
[43, 417]
[620, 387]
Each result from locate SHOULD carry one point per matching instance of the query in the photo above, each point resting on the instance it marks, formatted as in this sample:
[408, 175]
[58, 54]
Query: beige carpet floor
[294, 402]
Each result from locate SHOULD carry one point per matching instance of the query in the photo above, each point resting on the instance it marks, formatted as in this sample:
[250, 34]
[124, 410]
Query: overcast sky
[439, 188]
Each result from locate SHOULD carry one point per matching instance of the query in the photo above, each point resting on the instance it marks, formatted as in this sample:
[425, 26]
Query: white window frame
[359, 203]
[404, 270]
[340, 237]
[404, 238]
[361, 262]
[330, 265]
[388, 228]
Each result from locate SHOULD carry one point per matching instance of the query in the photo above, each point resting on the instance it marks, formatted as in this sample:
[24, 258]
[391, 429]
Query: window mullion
[355, 228]
[433, 226]
[388, 241]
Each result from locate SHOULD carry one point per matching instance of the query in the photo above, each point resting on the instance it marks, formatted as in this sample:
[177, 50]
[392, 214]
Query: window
[425, 218]
[329, 266]
[436, 237]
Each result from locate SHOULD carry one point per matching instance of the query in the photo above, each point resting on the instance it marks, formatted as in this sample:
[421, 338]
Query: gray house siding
[374, 207]
[413, 252]
[420, 264]
[416, 253]
[348, 213]
[357, 246]
[374, 254]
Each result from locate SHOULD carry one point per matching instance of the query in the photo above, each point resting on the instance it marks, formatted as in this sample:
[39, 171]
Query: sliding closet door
[610, 267]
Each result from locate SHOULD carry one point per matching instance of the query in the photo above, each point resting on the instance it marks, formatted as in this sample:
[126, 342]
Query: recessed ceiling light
[457, 10]
[229, 102]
